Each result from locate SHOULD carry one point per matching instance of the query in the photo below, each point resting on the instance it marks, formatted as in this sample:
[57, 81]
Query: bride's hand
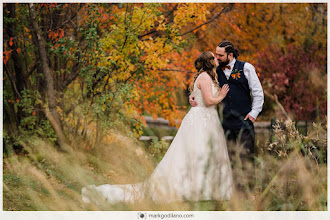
[223, 91]
[192, 101]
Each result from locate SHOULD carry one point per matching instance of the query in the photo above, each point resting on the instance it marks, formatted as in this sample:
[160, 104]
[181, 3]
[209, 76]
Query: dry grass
[292, 175]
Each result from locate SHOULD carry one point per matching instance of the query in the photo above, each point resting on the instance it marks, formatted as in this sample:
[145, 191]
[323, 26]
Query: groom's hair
[229, 48]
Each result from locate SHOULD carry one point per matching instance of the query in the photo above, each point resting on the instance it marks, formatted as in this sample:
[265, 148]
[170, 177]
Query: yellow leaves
[130, 110]
[155, 51]
[145, 17]
[154, 89]
[135, 96]
[161, 27]
[190, 12]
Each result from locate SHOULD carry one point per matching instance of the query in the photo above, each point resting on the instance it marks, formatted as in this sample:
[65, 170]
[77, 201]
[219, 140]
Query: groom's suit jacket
[238, 102]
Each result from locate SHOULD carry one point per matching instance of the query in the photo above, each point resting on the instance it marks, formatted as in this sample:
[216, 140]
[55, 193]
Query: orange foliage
[167, 67]
[152, 47]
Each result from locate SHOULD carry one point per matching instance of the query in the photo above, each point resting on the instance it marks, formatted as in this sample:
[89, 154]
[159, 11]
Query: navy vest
[238, 102]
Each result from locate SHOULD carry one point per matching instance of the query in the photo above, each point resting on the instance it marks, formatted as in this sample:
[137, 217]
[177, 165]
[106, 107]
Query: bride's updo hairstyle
[205, 63]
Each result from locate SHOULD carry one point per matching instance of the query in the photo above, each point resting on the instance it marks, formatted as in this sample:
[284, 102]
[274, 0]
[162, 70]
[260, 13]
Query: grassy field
[291, 174]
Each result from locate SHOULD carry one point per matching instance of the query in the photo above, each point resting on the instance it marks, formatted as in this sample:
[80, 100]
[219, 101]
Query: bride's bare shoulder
[204, 76]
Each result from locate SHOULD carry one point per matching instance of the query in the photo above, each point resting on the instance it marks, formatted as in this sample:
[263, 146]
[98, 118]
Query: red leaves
[11, 41]
[105, 17]
[61, 34]
[6, 56]
[52, 35]
[292, 75]
[13, 101]
[47, 5]
[56, 35]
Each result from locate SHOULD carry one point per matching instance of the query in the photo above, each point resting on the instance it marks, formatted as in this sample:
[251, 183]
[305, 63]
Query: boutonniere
[236, 74]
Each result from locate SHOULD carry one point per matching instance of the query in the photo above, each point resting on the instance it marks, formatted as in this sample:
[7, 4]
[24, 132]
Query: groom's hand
[192, 101]
[250, 117]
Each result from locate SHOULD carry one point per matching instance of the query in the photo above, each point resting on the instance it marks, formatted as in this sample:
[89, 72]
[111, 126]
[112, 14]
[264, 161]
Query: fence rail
[161, 122]
[262, 127]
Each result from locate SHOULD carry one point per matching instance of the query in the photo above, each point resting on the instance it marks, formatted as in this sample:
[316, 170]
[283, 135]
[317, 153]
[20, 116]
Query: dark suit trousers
[241, 142]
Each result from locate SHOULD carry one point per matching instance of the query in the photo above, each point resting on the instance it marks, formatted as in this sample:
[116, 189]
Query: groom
[240, 110]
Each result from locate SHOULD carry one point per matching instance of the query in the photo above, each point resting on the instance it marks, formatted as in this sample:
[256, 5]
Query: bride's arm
[204, 84]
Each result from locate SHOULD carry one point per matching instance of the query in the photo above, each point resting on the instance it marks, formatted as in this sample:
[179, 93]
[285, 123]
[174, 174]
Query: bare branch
[12, 81]
[71, 18]
[154, 29]
[173, 70]
[171, 12]
[32, 68]
[73, 74]
[224, 10]
[176, 70]
[217, 5]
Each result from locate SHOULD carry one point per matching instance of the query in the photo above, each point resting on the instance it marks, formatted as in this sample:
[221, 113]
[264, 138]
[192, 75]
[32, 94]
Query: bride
[196, 165]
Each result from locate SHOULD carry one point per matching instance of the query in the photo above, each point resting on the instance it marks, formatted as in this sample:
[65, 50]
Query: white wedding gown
[195, 167]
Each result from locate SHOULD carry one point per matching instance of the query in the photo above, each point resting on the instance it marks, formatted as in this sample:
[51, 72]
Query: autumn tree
[95, 64]
[31, 31]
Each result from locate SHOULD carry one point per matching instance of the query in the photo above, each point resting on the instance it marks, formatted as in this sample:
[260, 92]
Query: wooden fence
[260, 127]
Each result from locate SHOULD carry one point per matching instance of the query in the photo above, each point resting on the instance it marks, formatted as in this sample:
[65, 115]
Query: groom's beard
[223, 64]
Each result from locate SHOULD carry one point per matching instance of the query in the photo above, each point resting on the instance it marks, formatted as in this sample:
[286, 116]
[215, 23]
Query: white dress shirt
[254, 85]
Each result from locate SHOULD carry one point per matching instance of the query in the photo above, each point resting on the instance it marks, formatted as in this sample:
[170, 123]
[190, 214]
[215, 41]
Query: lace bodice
[199, 96]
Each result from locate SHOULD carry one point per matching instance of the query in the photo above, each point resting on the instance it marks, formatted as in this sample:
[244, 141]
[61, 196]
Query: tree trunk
[51, 112]
[19, 77]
